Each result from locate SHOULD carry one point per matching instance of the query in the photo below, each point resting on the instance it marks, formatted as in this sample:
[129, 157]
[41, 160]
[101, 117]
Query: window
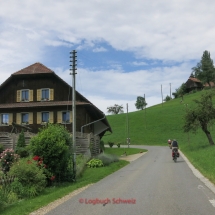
[5, 119]
[45, 117]
[24, 95]
[45, 94]
[65, 117]
[25, 118]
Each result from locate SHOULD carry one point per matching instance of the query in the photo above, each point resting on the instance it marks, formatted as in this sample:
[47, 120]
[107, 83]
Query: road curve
[152, 184]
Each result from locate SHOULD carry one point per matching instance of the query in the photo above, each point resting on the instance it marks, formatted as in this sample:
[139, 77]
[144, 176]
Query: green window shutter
[18, 96]
[18, 118]
[39, 120]
[51, 119]
[30, 120]
[10, 118]
[51, 94]
[38, 94]
[30, 95]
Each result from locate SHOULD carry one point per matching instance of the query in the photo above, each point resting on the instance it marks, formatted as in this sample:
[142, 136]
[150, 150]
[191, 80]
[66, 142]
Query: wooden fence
[88, 144]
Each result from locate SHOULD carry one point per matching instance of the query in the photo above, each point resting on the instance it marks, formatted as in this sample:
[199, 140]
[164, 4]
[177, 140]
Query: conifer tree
[205, 70]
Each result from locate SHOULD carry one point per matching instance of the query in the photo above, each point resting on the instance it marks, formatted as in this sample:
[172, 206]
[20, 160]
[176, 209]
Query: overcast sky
[125, 48]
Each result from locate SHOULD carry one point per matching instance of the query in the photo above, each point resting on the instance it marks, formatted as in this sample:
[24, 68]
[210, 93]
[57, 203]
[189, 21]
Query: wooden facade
[35, 95]
[193, 84]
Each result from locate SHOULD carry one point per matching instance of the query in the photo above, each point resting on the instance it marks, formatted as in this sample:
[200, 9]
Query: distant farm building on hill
[193, 84]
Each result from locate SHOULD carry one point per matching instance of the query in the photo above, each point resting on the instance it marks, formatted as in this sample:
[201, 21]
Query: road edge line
[199, 175]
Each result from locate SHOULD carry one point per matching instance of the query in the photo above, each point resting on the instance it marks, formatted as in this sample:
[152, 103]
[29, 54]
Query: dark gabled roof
[36, 68]
[194, 79]
[40, 104]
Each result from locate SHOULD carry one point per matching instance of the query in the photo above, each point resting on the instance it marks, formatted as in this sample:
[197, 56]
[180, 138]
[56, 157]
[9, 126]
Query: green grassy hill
[161, 122]
[155, 125]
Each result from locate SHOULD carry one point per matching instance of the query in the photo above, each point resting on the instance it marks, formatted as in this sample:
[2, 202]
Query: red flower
[52, 178]
[36, 158]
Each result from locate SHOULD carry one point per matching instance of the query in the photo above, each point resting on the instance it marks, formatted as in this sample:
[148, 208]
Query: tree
[201, 116]
[140, 103]
[168, 98]
[179, 92]
[115, 109]
[21, 149]
[205, 70]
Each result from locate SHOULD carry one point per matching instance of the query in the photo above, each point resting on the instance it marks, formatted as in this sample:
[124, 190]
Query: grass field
[162, 122]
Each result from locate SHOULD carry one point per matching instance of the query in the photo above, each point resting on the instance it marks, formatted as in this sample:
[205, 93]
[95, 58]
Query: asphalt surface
[151, 185]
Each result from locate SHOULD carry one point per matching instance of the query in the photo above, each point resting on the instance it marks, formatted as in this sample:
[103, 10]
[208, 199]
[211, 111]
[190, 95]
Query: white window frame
[43, 122]
[24, 123]
[65, 122]
[22, 99]
[7, 123]
[45, 99]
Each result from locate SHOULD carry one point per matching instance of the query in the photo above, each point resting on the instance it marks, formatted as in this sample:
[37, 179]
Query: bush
[52, 145]
[1, 148]
[95, 163]
[110, 144]
[30, 179]
[107, 158]
[21, 140]
[118, 145]
[102, 146]
[81, 163]
[7, 196]
[7, 158]
[49, 176]
[21, 149]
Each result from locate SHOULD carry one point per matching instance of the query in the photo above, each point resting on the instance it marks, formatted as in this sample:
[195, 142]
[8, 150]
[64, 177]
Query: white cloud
[109, 87]
[135, 63]
[99, 49]
[170, 31]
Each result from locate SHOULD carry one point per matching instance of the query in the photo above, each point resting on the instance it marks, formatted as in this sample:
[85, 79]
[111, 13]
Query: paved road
[152, 185]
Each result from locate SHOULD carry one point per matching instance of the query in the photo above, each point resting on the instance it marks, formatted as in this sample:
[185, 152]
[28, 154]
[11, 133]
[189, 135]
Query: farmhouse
[35, 95]
[193, 84]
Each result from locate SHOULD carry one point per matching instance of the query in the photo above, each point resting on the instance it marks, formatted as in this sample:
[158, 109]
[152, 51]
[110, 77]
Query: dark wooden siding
[192, 85]
[62, 91]
[80, 118]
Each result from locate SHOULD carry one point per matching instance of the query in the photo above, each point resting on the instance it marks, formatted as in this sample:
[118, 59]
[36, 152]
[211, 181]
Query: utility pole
[170, 91]
[162, 95]
[128, 138]
[73, 60]
[145, 109]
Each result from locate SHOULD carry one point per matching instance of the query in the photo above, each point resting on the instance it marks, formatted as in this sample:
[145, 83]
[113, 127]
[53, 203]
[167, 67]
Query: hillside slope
[162, 122]
[155, 125]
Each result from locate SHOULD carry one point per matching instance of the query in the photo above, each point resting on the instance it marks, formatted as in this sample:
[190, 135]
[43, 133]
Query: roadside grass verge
[202, 157]
[121, 151]
[90, 175]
